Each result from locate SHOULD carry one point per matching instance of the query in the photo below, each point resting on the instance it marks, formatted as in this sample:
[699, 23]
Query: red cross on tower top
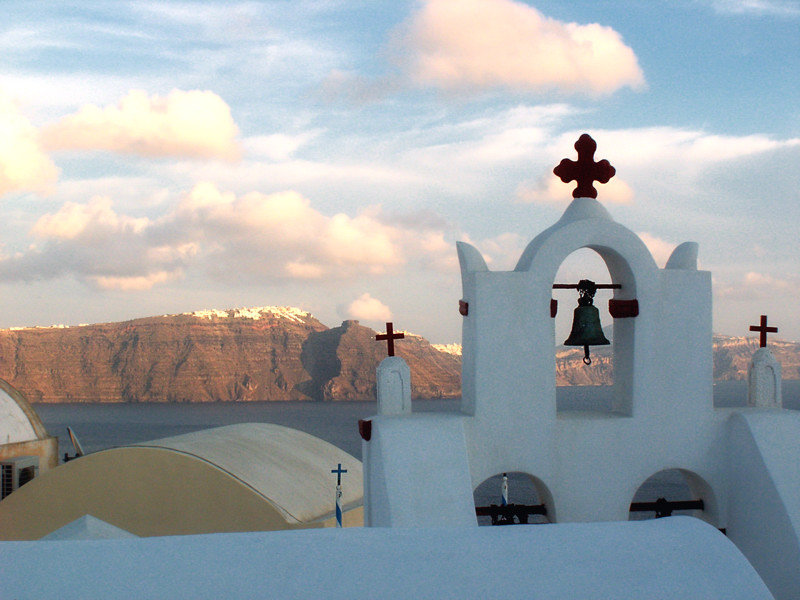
[763, 331]
[584, 171]
[390, 336]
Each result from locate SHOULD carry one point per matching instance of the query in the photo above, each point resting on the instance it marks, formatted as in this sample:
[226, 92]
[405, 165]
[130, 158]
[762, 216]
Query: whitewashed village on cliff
[267, 511]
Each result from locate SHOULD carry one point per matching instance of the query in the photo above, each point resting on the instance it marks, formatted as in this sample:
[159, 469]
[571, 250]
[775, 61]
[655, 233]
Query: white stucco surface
[289, 467]
[394, 386]
[675, 558]
[88, 527]
[419, 484]
[15, 426]
[764, 380]
[765, 503]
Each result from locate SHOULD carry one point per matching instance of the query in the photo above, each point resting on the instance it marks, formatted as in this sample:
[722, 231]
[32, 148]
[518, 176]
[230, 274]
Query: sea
[102, 426]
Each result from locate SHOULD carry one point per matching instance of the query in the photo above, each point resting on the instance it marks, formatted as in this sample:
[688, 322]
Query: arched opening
[674, 492]
[581, 387]
[532, 500]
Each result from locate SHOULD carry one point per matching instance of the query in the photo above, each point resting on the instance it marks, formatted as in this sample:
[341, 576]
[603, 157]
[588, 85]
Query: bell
[586, 328]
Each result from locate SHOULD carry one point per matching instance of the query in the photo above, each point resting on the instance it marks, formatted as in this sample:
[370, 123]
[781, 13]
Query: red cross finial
[763, 330]
[390, 336]
[584, 171]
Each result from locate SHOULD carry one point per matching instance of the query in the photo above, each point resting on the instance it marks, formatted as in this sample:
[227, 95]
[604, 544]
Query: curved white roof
[674, 558]
[18, 421]
[290, 468]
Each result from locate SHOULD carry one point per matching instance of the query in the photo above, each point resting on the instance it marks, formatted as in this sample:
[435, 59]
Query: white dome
[18, 422]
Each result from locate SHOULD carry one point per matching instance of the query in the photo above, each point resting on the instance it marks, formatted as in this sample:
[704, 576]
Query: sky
[166, 157]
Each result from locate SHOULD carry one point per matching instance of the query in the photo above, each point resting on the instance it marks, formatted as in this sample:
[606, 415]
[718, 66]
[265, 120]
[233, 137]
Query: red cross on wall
[390, 336]
[763, 331]
[584, 171]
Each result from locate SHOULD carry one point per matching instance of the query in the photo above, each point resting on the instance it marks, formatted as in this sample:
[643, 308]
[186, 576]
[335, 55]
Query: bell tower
[587, 465]
[662, 358]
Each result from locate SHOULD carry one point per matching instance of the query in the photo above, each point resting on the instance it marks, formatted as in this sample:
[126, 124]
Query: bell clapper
[586, 360]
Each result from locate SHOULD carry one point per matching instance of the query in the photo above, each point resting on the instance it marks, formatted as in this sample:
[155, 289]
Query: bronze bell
[586, 328]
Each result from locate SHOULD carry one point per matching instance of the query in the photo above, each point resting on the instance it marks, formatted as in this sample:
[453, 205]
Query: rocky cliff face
[434, 373]
[570, 369]
[731, 356]
[250, 355]
[268, 354]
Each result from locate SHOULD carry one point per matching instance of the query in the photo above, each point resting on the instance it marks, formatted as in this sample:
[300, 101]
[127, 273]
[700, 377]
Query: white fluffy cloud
[23, 163]
[278, 146]
[756, 286]
[367, 308]
[553, 190]
[184, 123]
[251, 237]
[659, 248]
[764, 285]
[502, 251]
[786, 8]
[282, 235]
[476, 44]
[95, 218]
[665, 147]
[135, 283]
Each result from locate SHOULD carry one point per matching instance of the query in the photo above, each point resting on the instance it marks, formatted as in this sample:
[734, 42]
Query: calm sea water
[100, 426]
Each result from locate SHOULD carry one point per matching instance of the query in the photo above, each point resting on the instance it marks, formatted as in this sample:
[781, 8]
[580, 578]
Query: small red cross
[584, 171]
[763, 330]
[390, 336]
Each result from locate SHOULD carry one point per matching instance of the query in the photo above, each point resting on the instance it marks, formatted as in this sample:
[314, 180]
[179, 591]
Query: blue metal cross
[339, 470]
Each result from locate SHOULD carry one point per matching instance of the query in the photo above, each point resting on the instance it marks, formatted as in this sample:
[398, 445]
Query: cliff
[268, 353]
[731, 358]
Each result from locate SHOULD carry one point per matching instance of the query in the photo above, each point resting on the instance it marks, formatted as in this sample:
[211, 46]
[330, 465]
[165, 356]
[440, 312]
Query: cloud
[479, 44]
[367, 308]
[23, 163]
[781, 8]
[93, 219]
[282, 235]
[659, 248]
[764, 281]
[501, 252]
[194, 124]
[684, 165]
[664, 146]
[551, 190]
[278, 146]
[142, 282]
[756, 286]
[232, 238]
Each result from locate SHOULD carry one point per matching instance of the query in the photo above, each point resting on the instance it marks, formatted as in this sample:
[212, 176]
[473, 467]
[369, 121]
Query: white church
[736, 538]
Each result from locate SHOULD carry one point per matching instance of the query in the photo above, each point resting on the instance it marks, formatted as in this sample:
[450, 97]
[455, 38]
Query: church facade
[586, 466]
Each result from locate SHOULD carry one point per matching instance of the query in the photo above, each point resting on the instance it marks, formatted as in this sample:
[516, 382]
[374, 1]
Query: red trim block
[365, 429]
[622, 309]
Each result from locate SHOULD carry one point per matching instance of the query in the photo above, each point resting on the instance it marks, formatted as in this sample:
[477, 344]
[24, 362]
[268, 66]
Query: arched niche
[586, 224]
[523, 488]
[623, 330]
[677, 485]
[571, 393]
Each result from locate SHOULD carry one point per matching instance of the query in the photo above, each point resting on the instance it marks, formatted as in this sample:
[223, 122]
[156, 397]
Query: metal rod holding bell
[598, 286]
